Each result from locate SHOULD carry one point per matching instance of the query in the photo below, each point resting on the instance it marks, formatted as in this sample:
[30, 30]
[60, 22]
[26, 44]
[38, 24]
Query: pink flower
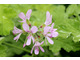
[34, 29]
[36, 46]
[29, 39]
[53, 31]
[23, 17]
[24, 45]
[17, 31]
[25, 27]
[46, 34]
[48, 18]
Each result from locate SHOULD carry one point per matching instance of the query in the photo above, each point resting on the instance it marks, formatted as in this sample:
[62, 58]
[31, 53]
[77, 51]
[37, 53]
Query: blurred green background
[66, 18]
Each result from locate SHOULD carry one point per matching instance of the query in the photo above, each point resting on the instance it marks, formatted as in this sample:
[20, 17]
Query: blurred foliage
[65, 17]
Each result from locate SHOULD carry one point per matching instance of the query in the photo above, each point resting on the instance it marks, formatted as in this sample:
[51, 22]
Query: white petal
[49, 40]
[36, 50]
[25, 27]
[28, 41]
[34, 29]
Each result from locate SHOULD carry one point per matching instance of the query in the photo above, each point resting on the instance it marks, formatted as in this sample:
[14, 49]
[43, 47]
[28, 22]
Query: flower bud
[29, 25]
[38, 36]
[41, 26]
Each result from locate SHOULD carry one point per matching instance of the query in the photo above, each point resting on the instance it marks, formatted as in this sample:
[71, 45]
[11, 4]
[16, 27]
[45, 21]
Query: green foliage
[14, 47]
[3, 50]
[1, 39]
[66, 20]
[67, 44]
[5, 26]
[5, 23]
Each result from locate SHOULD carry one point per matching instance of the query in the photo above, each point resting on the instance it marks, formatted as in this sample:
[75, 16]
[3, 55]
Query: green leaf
[66, 23]
[3, 51]
[6, 25]
[73, 10]
[67, 44]
[45, 7]
[59, 15]
[1, 39]
[14, 47]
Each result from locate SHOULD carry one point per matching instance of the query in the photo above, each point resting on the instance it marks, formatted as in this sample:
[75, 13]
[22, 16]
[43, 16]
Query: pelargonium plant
[34, 33]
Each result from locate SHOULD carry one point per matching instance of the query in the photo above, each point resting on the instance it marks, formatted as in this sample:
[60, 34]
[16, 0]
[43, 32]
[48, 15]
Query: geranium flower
[34, 29]
[17, 31]
[36, 46]
[23, 17]
[53, 31]
[48, 18]
[47, 34]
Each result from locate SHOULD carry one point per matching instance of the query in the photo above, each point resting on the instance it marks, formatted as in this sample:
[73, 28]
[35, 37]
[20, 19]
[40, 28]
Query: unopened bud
[41, 26]
[38, 36]
[29, 25]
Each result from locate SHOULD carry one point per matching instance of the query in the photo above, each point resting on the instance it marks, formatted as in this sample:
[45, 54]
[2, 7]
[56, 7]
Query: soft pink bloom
[24, 45]
[28, 14]
[23, 17]
[17, 37]
[25, 27]
[46, 34]
[36, 46]
[48, 18]
[17, 31]
[34, 29]
[29, 39]
[53, 31]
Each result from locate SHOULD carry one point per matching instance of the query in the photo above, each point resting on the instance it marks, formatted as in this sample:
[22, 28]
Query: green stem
[17, 47]
[21, 40]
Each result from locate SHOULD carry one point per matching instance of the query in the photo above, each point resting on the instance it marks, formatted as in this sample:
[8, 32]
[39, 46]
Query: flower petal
[46, 29]
[24, 45]
[47, 15]
[41, 49]
[49, 34]
[28, 41]
[25, 27]
[49, 40]
[17, 37]
[28, 14]
[16, 30]
[32, 49]
[54, 34]
[41, 42]
[22, 16]
[48, 18]
[34, 29]
[52, 25]
[36, 50]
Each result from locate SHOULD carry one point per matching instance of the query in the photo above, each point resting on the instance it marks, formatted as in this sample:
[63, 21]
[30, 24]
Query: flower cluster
[47, 31]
